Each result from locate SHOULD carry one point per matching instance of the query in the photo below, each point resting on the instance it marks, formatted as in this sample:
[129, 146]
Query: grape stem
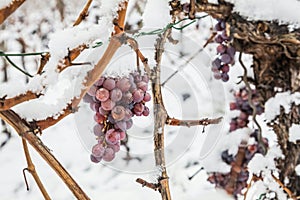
[9, 9]
[31, 169]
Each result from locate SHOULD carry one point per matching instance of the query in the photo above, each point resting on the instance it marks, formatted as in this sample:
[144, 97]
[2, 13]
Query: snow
[285, 12]
[297, 169]
[285, 99]
[294, 133]
[4, 3]
[152, 18]
[265, 164]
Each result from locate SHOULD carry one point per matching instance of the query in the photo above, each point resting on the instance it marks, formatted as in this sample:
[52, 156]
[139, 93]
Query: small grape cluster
[222, 180]
[226, 53]
[241, 103]
[116, 100]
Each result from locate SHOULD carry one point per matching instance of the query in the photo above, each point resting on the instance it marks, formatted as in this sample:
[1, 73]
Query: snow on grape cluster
[239, 167]
[116, 100]
[225, 58]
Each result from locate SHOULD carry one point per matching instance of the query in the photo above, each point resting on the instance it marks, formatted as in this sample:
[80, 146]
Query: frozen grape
[118, 113]
[142, 85]
[225, 68]
[116, 95]
[147, 97]
[124, 84]
[121, 125]
[98, 150]
[225, 77]
[94, 106]
[102, 94]
[92, 90]
[112, 136]
[146, 111]
[217, 75]
[129, 124]
[88, 99]
[99, 82]
[138, 109]
[217, 63]
[221, 48]
[225, 58]
[109, 154]
[219, 39]
[127, 98]
[109, 84]
[98, 130]
[99, 118]
[230, 51]
[115, 147]
[103, 112]
[94, 159]
[108, 104]
[138, 95]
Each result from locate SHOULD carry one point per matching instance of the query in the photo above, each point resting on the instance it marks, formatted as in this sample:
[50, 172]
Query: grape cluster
[116, 100]
[225, 58]
[241, 103]
[222, 180]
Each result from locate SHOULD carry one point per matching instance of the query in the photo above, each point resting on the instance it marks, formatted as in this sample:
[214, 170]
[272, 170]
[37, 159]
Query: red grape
[116, 95]
[108, 104]
[124, 84]
[109, 84]
[118, 113]
[102, 94]
[109, 154]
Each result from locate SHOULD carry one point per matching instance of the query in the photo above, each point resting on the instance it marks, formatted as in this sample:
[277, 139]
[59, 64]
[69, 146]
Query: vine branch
[31, 168]
[8, 10]
[84, 13]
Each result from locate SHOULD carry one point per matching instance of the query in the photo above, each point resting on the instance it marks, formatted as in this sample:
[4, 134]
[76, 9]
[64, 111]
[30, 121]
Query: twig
[253, 179]
[8, 10]
[25, 131]
[83, 14]
[189, 123]
[192, 9]
[31, 168]
[7, 103]
[72, 55]
[215, 10]
[153, 186]
[287, 190]
[45, 58]
[120, 22]
[134, 45]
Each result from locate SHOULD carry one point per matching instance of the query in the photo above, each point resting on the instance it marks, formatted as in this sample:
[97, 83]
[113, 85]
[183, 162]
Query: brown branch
[192, 9]
[236, 168]
[7, 103]
[8, 10]
[120, 22]
[28, 133]
[31, 168]
[153, 186]
[44, 60]
[160, 118]
[134, 45]
[189, 123]
[72, 55]
[83, 14]
[287, 190]
[215, 10]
